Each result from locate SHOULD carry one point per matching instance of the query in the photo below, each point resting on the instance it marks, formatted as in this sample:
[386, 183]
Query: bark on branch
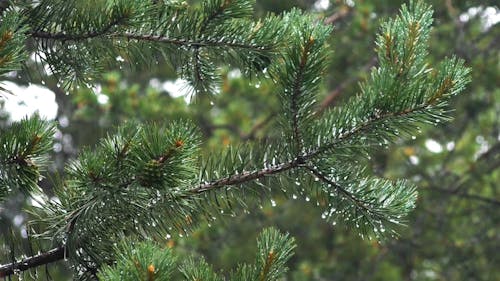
[33, 261]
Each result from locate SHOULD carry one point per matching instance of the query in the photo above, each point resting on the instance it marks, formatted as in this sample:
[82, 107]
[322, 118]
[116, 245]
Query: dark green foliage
[149, 181]
[148, 261]
[94, 35]
[299, 75]
[330, 150]
[110, 191]
[12, 40]
[140, 261]
[274, 249]
[24, 154]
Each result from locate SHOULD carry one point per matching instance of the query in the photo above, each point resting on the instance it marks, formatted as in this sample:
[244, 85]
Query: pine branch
[301, 159]
[338, 187]
[246, 176]
[298, 162]
[199, 80]
[297, 89]
[150, 38]
[50, 256]
[62, 36]
[131, 182]
[366, 126]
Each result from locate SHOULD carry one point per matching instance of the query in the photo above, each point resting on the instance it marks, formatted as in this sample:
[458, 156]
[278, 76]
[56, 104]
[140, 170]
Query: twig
[467, 196]
[246, 176]
[331, 98]
[61, 36]
[342, 190]
[297, 86]
[257, 127]
[33, 261]
[342, 13]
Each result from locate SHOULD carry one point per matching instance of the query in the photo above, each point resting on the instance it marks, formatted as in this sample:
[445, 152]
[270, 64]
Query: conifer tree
[148, 181]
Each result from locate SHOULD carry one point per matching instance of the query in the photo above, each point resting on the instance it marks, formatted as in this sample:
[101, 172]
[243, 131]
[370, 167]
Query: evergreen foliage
[146, 261]
[148, 181]
[194, 40]
[12, 40]
[24, 155]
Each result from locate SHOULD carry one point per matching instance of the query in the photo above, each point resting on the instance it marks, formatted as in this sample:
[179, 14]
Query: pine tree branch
[189, 43]
[236, 179]
[267, 267]
[61, 36]
[50, 256]
[300, 160]
[342, 190]
[196, 55]
[77, 37]
[246, 176]
[297, 89]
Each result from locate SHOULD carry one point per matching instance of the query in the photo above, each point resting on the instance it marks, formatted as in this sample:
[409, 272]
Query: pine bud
[151, 272]
[152, 173]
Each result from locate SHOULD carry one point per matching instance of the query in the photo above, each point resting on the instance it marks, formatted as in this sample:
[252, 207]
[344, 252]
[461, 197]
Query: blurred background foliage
[453, 234]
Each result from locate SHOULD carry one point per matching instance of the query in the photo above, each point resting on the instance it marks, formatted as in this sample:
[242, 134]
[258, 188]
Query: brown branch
[452, 11]
[257, 127]
[478, 168]
[236, 130]
[342, 13]
[332, 97]
[465, 195]
[247, 176]
[149, 37]
[342, 190]
[77, 37]
[267, 267]
[50, 256]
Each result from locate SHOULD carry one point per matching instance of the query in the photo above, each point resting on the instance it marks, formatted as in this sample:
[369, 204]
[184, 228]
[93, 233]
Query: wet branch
[31, 262]
[236, 179]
